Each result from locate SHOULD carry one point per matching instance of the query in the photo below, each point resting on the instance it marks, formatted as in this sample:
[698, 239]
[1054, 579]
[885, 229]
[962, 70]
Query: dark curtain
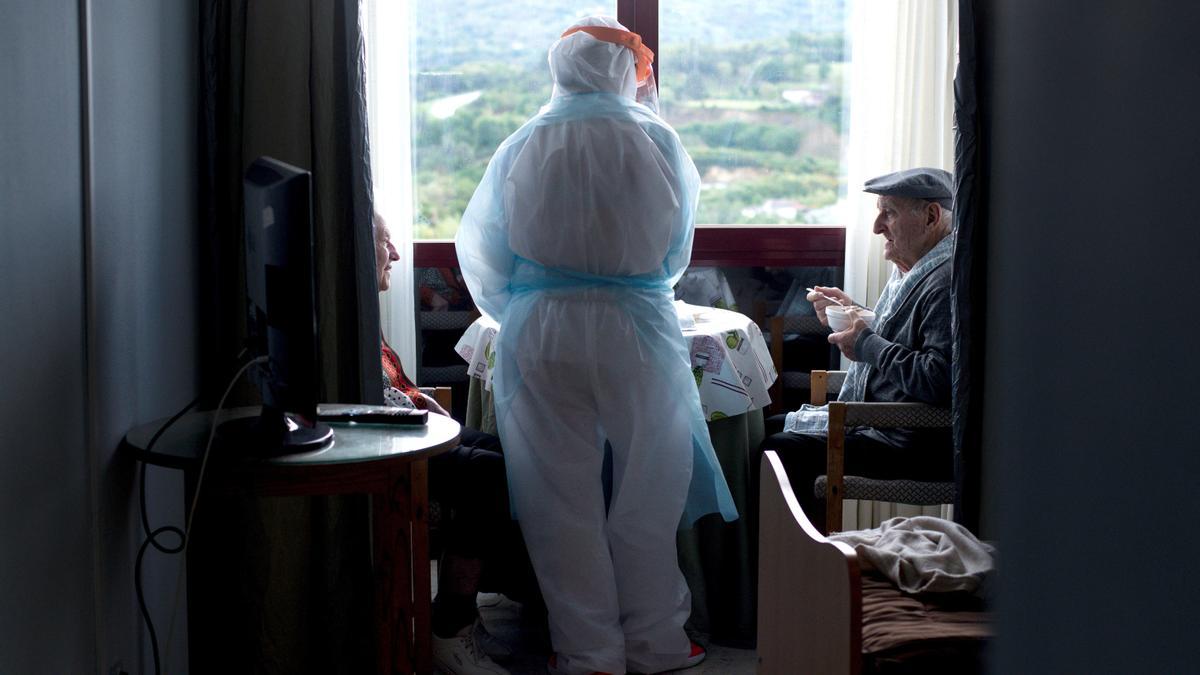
[285, 78]
[282, 585]
[968, 291]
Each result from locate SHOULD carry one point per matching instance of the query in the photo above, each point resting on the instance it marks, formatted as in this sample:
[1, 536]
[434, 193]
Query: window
[757, 98]
[478, 72]
[755, 94]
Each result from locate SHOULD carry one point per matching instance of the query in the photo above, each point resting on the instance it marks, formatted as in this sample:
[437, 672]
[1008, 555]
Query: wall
[99, 303]
[1090, 440]
[46, 609]
[143, 326]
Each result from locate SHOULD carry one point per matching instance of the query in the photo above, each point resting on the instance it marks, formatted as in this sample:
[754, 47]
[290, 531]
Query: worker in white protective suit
[573, 240]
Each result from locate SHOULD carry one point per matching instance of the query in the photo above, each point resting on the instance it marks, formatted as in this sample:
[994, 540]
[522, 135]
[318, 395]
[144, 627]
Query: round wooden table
[389, 462]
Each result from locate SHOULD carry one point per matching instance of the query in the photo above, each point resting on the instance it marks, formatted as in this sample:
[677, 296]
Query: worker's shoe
[696, 656]
[463, 655]
[493, 646]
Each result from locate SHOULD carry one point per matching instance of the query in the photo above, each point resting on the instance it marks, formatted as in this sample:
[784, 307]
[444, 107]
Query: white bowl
[839, 317]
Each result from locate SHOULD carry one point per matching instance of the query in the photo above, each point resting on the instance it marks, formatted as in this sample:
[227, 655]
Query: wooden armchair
[442, 395]
[834, 486]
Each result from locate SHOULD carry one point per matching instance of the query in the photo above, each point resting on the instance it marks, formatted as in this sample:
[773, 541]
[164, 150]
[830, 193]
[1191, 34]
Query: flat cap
[932, 185]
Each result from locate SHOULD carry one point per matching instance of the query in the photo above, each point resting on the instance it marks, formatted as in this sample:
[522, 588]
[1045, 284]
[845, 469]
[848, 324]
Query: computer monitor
[281, 313]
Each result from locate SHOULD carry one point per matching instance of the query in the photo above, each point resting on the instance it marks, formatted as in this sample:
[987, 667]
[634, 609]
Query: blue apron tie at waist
[529, 276]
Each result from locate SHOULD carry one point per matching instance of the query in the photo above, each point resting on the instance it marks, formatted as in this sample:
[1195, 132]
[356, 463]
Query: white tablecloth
[730, 359]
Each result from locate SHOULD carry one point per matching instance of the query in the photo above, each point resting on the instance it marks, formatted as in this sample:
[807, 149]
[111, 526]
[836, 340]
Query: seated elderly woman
[469, 484]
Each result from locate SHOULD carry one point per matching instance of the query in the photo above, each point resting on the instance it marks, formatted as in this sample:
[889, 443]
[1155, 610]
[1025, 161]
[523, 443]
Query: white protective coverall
[573, 240]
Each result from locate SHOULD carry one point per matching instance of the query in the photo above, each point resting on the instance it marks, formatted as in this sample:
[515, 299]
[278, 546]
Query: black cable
[152, 535]
[137, 571]
[142, 487]
[191, 514]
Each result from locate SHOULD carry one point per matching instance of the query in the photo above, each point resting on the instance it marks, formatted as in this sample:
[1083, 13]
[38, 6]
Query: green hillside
[756, 96]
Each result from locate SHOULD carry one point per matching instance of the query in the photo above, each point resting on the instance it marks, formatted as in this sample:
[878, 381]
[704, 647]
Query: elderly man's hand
[846, 339]
[820, 303]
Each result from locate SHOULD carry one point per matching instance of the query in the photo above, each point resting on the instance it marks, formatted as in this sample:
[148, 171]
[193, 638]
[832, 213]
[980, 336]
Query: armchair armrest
[823, 383]
[894, 415]
[809, 588]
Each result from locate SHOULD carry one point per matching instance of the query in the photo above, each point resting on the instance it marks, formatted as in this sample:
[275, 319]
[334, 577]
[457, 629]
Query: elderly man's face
[385, 253]
[910, 232]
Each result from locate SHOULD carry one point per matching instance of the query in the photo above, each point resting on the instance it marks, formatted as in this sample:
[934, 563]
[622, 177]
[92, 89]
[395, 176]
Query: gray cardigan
[910, 357]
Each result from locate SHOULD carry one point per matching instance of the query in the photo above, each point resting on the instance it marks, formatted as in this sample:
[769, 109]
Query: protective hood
[581, 63]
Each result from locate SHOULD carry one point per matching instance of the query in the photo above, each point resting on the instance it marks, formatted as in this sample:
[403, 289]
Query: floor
[504, 620]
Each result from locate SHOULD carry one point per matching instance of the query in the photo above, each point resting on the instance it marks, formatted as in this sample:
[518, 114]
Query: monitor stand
[273, 433]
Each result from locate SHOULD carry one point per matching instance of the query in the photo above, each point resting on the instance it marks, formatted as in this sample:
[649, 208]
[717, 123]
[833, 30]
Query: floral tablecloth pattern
[730, 358]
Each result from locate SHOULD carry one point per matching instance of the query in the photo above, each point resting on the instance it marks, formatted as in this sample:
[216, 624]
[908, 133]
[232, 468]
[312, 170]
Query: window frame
[718, 246]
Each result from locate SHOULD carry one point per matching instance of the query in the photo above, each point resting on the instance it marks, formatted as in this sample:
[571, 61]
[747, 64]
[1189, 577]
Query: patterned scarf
[398, 390]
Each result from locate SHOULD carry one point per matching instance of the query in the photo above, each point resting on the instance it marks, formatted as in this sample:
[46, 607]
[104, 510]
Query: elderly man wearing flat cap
[903, 356]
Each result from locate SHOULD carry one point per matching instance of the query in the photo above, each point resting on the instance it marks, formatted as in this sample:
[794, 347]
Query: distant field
[732, 104]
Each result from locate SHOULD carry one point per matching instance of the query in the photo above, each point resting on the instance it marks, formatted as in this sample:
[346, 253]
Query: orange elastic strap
[625, 38]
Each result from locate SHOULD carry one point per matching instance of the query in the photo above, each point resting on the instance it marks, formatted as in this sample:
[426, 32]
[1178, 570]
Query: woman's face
[385, 253]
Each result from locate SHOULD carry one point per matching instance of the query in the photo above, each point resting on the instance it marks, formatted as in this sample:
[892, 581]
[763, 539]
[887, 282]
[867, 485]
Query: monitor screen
[281, 310]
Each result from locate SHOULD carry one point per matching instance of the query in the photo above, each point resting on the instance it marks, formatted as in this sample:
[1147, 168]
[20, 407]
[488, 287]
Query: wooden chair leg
[834, 467]
[393, 575]
[422, 584]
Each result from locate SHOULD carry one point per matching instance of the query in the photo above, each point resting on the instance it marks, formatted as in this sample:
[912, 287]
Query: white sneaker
[490, 644]
[462, 655]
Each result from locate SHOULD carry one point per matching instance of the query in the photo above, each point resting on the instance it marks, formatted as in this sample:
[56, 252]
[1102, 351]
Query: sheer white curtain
[389, 115]
[901, 116]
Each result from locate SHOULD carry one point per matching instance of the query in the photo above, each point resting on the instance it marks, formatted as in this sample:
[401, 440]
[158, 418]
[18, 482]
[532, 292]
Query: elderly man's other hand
[819, 302]
[846, 339]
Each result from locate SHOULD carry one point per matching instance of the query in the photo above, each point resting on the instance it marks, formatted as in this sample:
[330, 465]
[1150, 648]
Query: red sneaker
[696, 656]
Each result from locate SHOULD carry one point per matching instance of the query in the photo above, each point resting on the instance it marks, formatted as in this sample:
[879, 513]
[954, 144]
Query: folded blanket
[924, 554]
